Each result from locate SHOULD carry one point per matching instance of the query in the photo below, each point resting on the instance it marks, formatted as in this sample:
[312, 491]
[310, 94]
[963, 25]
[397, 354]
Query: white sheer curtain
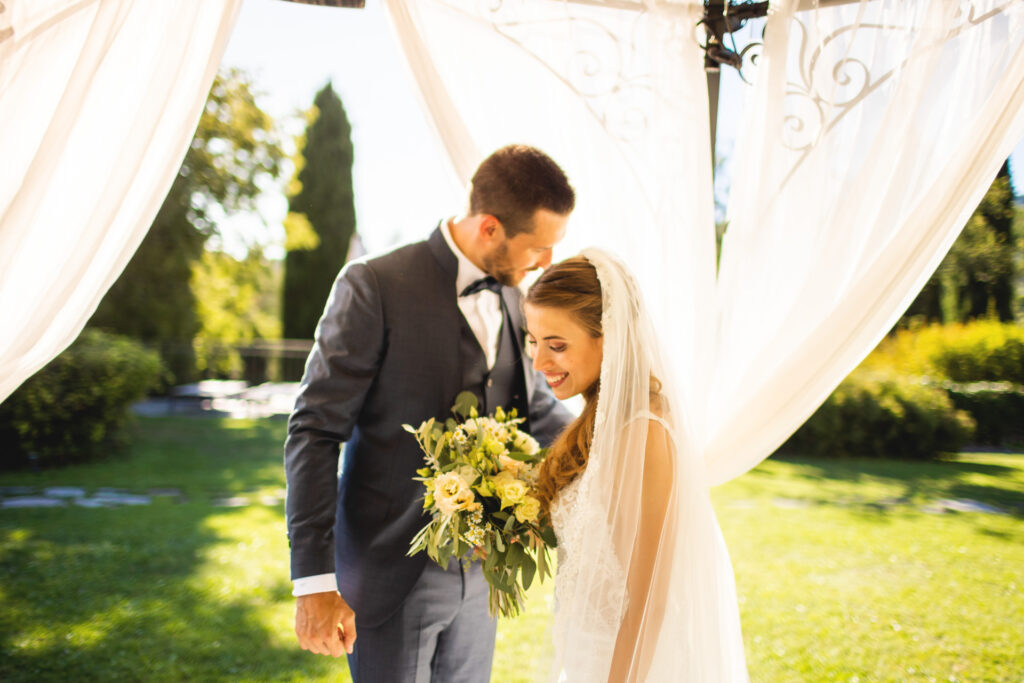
[871, 133]
[98, 102]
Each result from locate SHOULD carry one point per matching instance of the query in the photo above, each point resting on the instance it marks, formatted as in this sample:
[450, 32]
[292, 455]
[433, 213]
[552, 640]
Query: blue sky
[402, 180]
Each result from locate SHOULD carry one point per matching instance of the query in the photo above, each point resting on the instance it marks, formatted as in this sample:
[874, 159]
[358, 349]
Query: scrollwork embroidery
[6, 30]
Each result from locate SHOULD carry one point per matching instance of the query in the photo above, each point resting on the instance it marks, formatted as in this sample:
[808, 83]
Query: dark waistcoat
[504, 384]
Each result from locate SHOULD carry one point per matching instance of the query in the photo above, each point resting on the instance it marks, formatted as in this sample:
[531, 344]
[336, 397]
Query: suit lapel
[447, 316]
[511, 299]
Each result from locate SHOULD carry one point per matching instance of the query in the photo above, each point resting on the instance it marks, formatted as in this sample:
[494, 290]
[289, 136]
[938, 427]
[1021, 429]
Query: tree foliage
[235, 149]
[322, 217]
[975, 280]
[237, 301]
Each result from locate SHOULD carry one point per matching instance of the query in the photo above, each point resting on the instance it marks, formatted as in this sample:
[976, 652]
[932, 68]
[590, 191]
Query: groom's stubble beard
[496, 264]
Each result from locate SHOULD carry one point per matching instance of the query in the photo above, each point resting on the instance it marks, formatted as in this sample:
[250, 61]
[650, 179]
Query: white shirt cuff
[321, 583]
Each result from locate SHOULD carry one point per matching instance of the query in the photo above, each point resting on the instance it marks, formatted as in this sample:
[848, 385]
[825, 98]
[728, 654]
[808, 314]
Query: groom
[402, 334]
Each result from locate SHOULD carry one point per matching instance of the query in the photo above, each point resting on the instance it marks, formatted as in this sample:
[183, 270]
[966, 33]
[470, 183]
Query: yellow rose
[510, 489]
[528, 510]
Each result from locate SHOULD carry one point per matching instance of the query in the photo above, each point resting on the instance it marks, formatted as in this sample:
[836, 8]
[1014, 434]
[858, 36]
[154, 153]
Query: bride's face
[562, 349]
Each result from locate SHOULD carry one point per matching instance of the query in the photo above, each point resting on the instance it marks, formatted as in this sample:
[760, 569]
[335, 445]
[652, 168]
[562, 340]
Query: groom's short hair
[515, 181]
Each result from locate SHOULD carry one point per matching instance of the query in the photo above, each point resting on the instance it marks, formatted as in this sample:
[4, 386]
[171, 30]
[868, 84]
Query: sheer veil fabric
[631, 546]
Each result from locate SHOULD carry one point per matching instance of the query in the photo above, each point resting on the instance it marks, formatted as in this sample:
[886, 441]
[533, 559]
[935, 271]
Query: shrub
[74, 408]
[878, 415]
[997, 408]
[980, 351]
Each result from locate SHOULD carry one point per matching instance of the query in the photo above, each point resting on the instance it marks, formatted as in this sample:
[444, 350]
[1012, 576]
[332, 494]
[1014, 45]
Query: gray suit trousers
[441, 633]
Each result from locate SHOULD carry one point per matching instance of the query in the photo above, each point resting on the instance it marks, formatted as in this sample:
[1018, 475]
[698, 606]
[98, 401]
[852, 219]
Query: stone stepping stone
[116, 498]
[33, 502]
[232, 502]
[961, 505]
[790, 503]
[64, 492]
[93, 503]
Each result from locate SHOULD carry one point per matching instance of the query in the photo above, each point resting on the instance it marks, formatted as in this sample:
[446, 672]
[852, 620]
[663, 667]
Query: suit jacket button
[490, 382]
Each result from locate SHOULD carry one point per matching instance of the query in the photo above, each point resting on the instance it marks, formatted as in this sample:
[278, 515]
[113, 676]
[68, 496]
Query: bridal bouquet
[479, 476]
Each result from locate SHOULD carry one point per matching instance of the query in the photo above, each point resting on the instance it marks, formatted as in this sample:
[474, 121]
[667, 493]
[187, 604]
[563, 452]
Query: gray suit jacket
[386, 354]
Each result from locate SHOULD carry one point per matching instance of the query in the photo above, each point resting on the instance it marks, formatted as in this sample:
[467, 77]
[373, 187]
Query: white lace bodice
[575, 513]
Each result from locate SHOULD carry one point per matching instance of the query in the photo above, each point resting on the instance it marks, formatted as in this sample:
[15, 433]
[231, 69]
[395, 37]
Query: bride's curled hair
[571, 286]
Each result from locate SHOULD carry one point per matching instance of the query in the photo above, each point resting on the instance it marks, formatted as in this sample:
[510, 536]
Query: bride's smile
[568, 354]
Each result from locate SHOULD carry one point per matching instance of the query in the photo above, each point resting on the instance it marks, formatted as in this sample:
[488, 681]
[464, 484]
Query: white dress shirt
[482, 311]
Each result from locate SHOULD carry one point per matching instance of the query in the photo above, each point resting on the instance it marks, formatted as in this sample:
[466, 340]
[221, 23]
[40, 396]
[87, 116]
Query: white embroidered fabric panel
[592, 643]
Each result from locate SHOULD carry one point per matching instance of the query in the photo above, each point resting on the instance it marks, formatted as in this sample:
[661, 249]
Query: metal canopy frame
[720, 17]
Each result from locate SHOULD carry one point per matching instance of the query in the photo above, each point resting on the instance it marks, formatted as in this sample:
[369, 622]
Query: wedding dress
[643, 571]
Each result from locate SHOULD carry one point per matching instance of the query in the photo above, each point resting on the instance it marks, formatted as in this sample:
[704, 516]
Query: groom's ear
[491, 228]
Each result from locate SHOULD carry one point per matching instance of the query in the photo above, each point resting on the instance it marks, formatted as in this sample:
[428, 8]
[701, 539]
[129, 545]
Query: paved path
[18, 497]
[223, 398]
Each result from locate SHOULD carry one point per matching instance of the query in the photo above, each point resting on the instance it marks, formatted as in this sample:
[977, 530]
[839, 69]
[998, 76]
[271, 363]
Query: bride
[644, 590]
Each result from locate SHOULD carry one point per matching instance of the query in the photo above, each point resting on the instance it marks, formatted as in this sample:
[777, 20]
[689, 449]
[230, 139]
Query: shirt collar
[468, 272]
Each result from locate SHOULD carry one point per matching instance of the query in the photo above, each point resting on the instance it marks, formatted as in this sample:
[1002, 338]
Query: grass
[841, 575]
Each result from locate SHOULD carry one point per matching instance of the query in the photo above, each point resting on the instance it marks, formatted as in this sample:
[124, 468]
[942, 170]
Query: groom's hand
[325, 624]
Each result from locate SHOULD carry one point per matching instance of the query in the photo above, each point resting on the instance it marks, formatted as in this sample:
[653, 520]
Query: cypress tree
[322, 216]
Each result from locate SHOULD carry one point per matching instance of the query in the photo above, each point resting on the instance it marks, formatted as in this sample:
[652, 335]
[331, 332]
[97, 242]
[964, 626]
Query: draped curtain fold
[871, 132]
[98, 102]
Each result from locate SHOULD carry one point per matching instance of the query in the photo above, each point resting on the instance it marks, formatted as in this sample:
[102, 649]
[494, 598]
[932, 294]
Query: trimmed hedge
[882, 416]
[980, 351]
[997, 408]
[74, 408]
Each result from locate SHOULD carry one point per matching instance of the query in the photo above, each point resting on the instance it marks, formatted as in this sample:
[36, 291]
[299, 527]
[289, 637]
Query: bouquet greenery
[479, 478]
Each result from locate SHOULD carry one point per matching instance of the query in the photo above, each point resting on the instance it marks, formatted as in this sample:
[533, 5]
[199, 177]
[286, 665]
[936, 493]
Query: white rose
[452, 493]
[525, 443]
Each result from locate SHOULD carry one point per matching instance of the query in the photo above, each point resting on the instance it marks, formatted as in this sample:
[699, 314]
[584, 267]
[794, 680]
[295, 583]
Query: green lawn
[841, 575]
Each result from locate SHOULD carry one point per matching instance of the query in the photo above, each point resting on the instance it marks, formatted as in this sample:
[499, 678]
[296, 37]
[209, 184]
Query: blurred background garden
[142, 531]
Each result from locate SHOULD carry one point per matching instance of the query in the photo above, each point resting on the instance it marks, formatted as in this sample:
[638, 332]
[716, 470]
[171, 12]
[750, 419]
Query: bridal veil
[671, 613]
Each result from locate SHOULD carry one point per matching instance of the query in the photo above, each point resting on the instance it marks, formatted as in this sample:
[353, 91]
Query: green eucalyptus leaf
[522, 457]
[516, 553]
[491, 561]
[528, 571]
[464, 403]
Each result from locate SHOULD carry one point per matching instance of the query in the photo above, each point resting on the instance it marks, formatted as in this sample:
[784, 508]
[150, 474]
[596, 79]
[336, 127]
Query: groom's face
[511, 259]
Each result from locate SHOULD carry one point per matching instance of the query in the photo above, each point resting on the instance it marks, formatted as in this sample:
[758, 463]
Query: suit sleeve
[548, 417]
[348, 346]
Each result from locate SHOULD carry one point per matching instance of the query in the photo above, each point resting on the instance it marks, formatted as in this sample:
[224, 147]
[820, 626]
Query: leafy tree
[234, 151]
[975, 280]
[237, 302]
[322, 216]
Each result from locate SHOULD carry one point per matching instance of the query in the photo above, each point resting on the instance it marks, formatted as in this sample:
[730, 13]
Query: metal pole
[714, 77]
